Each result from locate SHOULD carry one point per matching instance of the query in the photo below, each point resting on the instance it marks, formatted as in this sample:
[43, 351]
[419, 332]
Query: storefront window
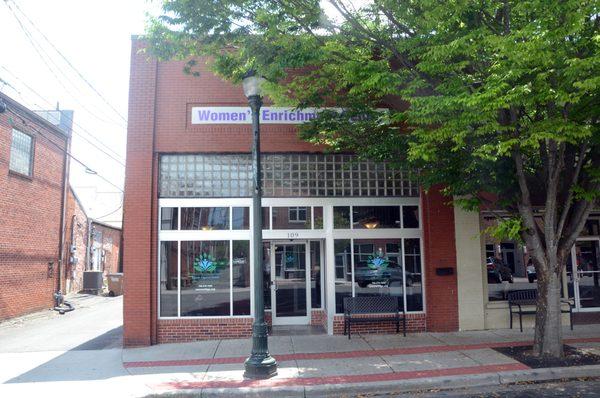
[373, 217]
[291, 217]
[318, 214]
[413, 274]
[591, 228]
[240, 218]
[380, 267]
[508, 268]
[267, 274]
[204, 218]
[168, 278]
[266, 218]
[375, 272]
[205, 281]
[410, 216]
[315, 274]
[341, 217]
[168, 218]
[240, 269]
[343, 272]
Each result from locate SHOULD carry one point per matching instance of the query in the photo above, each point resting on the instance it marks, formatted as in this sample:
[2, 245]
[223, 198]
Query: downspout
[72, 247]
[88, 249]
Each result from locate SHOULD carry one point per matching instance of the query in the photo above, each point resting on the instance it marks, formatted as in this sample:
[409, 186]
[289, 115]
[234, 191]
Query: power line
[118, 160]
[71, 65]
[112, 212]
[47, 59]
[63, 150]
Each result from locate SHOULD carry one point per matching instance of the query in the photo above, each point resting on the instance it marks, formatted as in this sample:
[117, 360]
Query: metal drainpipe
[88, 250]
[63, 215]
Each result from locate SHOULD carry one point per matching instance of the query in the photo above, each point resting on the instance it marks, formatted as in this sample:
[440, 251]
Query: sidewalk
[331, 365]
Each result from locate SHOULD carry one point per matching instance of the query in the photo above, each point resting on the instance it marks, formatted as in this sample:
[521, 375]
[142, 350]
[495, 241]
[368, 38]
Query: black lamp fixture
[260, 364]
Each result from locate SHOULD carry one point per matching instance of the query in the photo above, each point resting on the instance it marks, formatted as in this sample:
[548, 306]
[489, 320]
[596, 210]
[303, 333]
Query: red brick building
[105, 247]
[333, 226]
[33, 187]
[76, 243]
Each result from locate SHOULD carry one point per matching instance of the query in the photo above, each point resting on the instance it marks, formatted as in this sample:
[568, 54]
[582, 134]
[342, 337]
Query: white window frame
[289, 234]
[31, 153]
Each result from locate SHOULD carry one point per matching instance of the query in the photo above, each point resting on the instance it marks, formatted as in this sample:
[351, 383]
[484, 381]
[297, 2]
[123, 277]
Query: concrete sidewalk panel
[440, 360]
[336, 367]
[235, 372]
[166, 370]
[385, 341]
[234, 348]
[457, 338]
[488, 356]
[279, 345]
[172, 351]
[312, 344]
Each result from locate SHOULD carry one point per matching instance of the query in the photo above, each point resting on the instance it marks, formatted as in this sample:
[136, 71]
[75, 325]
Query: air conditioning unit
[92, 282]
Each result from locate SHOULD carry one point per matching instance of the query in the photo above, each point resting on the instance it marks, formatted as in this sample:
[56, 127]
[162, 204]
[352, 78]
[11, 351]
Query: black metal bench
[526, 298]
[370, 305]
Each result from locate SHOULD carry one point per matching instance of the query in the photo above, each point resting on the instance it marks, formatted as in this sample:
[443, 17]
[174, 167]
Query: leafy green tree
[495, 99]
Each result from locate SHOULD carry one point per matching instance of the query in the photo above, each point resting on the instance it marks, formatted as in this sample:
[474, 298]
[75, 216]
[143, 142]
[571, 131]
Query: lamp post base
[260, 367]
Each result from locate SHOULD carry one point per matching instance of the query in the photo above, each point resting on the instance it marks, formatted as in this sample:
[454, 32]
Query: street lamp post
[260, 364]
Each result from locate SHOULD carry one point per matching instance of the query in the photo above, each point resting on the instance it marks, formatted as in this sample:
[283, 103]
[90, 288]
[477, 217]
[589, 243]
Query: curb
[396, 386]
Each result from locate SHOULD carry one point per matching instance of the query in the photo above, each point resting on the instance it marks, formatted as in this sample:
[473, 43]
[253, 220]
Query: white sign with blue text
[243, 115]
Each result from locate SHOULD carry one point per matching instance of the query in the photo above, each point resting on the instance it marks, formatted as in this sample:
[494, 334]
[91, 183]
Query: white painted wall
[470, 272]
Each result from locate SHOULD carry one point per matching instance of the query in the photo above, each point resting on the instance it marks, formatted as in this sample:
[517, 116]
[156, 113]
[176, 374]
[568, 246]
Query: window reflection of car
[531, 274]
[497, 271]
[364, 275]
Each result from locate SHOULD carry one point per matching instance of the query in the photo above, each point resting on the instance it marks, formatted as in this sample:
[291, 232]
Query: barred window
[283, 175]
[21, 153]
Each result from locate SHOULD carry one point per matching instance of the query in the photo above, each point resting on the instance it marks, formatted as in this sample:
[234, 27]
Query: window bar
[178, 279]
[352, 266]
[230, 277]
[404, 276]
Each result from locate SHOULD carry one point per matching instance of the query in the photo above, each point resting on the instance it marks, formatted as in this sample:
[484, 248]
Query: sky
[95, 38]
[76, 53]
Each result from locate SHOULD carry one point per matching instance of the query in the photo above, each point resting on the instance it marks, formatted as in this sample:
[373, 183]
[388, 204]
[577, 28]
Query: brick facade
[160, 100]
[439, 245]
[30, 214]
[107, 239]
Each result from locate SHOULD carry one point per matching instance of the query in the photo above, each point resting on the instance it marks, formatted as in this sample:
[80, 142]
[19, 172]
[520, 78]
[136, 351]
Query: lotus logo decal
[376, 262]
[205, 264]
[290, 259]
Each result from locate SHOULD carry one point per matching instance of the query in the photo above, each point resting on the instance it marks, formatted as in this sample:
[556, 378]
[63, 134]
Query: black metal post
[260, 364]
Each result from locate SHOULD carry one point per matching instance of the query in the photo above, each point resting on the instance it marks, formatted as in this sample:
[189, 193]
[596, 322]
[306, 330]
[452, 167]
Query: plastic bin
[115, 284]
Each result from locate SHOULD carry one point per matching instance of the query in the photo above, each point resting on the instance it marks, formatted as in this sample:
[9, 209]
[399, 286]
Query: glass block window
[283, 175]
[21, 153]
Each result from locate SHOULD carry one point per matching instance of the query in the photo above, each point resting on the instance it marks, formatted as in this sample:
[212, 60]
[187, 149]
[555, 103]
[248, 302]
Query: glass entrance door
[587, 277]
[290, 289]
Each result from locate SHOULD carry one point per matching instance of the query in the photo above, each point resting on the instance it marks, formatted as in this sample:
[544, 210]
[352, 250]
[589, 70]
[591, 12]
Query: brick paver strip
[347, 354]
[312, 381]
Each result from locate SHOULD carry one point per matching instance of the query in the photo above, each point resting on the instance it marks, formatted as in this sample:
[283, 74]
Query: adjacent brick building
[40, 213]
[105, 247]
[333, 225]
[76, 243]
[33, 164]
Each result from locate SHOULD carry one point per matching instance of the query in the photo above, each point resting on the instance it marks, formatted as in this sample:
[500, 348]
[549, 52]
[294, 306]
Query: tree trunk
[548, 320]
